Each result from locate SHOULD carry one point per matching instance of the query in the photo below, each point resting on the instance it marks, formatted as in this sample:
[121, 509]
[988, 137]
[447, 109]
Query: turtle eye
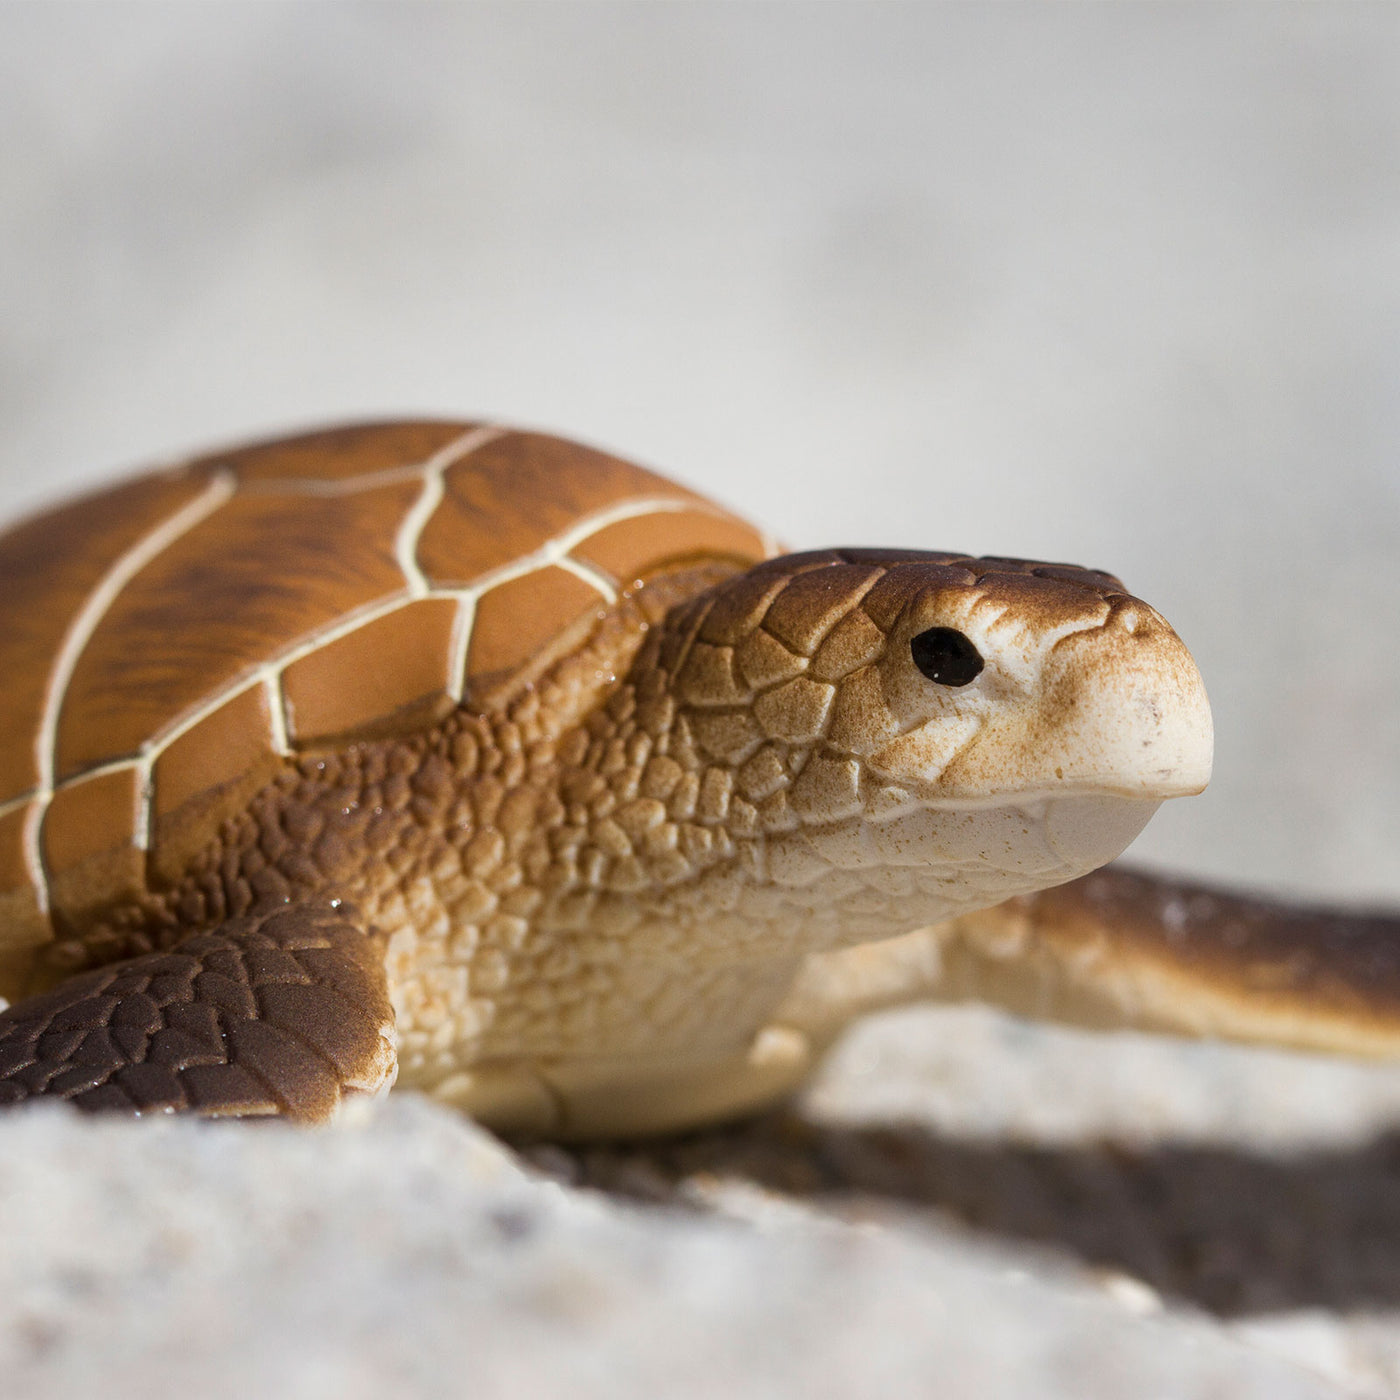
[946, 656]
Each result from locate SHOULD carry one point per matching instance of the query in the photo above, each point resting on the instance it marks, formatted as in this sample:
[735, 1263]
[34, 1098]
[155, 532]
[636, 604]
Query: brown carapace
[495, 761]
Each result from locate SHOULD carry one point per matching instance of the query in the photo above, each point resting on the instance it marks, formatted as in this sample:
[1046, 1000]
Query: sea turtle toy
[489, 761]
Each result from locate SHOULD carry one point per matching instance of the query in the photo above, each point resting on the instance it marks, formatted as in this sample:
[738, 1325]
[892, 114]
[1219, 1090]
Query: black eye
[946, 656]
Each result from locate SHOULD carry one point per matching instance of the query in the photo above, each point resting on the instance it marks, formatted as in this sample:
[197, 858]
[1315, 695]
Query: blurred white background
[1112, 283]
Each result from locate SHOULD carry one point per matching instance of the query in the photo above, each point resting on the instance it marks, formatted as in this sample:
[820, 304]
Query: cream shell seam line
[415, 521]
[460, 639]
[220, 488]
[344, 486]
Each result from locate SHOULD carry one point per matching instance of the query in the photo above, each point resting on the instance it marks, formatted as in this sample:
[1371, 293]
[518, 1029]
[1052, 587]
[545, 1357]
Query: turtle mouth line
[1146, 791]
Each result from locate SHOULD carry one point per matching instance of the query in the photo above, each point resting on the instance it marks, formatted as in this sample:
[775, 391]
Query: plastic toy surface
[490, 761]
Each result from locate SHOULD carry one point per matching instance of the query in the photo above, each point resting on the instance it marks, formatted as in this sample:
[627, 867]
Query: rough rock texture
[961, 1206]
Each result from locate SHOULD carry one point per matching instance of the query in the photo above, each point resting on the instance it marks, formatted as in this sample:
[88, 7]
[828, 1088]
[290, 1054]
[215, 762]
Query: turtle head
[996, 724]
[1003, 676]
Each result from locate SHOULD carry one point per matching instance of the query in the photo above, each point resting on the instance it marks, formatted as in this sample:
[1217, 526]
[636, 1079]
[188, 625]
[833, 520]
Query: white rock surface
[962, 1206]
[407, 1256]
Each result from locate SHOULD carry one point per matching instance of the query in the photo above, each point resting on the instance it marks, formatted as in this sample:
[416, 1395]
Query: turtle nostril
[946, 656]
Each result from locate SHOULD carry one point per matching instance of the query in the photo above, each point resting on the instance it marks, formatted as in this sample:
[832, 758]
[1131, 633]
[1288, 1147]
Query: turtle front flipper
[1121, 949]
[284, 1012]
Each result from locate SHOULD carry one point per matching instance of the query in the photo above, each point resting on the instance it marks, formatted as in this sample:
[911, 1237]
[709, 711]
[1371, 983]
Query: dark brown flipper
[284, 1012]
[1122, 948]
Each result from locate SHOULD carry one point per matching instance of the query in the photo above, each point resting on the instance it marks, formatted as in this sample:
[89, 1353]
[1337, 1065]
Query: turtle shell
[167, 644]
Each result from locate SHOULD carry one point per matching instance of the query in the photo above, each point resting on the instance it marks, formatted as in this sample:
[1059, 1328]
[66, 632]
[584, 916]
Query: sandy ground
[1116, 283]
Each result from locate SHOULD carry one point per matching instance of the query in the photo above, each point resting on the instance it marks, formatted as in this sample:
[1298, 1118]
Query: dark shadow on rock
[1227, 1230]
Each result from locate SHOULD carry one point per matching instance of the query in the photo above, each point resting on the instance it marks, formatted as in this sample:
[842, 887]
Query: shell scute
[89, 818]
[516, 620]
[50, 567]
[337, 456]
[384, 667]
[89, 854]
[219, 748]
[533, 489]
[630, 549]
[258, 571]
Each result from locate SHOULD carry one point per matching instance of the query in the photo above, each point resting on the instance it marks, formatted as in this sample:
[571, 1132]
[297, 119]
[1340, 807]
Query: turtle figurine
[491, 762]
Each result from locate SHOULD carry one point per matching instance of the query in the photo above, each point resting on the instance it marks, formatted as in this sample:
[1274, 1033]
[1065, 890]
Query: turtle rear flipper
[1125, 948]
[1122, 949]
[284, 1012]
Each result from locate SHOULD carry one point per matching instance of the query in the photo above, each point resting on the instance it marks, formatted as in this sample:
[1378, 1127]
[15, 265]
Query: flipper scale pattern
[281, 1012]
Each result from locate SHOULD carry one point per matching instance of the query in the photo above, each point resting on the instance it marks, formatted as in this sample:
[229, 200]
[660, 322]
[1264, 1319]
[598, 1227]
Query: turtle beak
[1130, 707]
[1120, 710]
